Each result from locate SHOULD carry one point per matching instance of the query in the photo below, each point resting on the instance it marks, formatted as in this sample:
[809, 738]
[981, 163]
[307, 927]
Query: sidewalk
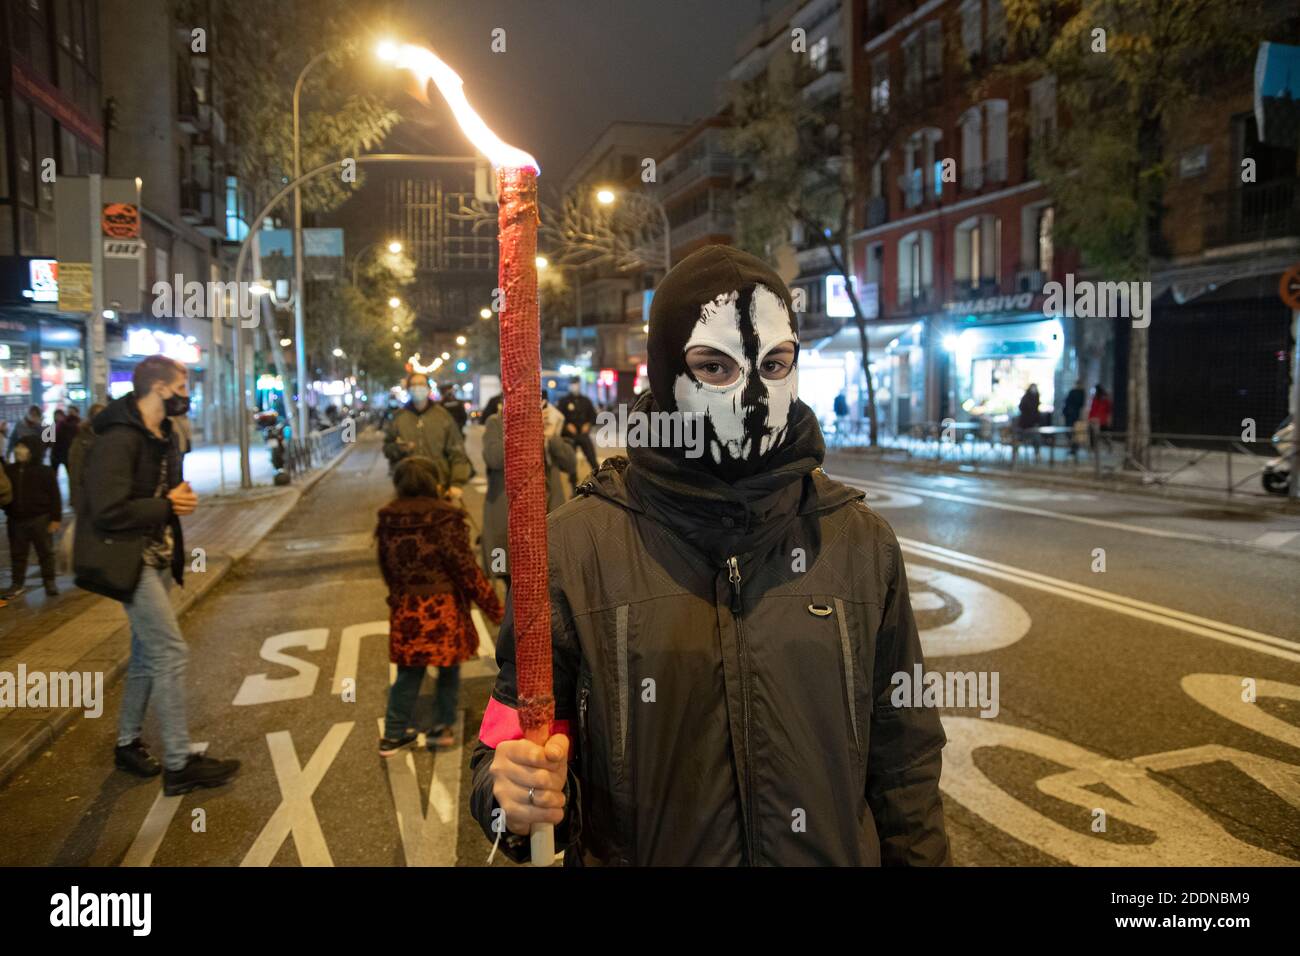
[1187, 474]
[82, 632]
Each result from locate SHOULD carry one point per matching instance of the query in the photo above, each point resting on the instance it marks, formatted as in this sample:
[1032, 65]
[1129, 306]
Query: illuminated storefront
[994, 363]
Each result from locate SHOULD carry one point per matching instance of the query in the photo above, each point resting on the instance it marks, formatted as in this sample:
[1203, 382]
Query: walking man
[128, 544]
[579, 417]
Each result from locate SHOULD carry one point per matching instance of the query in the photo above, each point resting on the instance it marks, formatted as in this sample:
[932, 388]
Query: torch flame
[426, 67]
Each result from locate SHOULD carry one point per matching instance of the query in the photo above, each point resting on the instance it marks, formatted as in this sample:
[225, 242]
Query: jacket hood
[124, 411]
[720, 518]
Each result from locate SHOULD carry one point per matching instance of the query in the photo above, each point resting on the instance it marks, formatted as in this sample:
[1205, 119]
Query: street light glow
[445, 356]
[387, 51]
[485, 313]
[461, 340]
[542, 263]
[605, 196]
[285, 343]
[338, 353]
[394, 302]
[394, 247]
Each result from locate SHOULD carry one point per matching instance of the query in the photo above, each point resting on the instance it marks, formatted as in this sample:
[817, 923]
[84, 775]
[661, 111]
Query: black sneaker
[13, 591]
[388, 746]
[51, 588]
[199, 771]
[134, 758]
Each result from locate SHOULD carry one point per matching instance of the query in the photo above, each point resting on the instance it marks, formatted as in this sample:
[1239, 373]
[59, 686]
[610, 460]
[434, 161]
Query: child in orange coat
[432, 577]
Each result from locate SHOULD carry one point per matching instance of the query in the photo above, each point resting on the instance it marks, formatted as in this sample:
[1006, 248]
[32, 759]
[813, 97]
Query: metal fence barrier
[1223, 464]
[318, 448]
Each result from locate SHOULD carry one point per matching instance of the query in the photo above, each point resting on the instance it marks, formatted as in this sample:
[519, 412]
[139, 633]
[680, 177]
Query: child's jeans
[406, 690]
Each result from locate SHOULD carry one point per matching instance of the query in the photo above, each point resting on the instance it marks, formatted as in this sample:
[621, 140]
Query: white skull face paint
[748, 417]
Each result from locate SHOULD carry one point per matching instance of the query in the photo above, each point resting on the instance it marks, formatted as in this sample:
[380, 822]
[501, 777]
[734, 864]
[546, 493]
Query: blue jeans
[406, 690]
[157, 670]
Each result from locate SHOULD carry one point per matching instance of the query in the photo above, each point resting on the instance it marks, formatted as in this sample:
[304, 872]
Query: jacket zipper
[733, 575]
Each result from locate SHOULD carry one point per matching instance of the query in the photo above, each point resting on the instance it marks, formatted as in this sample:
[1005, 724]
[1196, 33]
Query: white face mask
[419, 394]
[749, 416]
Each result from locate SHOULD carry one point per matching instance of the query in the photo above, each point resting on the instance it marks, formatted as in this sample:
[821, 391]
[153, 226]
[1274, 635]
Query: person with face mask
[726, 621]
[129, 546]
[423, 427]
[35, 512]
[30, 426]
[579, 417]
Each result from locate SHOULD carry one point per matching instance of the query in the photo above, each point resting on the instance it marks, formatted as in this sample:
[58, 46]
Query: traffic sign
[1289, 287]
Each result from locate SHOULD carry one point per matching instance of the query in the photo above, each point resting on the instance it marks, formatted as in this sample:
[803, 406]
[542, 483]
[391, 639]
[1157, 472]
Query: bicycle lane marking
[866, 485]
[1180, 620]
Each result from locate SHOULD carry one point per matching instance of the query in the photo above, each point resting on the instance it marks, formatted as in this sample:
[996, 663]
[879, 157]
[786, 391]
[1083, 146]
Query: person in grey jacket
[727, 625]
[559, 458]
[423, 427]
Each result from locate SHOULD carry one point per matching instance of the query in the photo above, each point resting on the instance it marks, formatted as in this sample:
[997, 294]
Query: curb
[42, 731]
[1256, 505]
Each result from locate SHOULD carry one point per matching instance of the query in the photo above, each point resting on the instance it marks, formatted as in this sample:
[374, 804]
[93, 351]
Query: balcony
[915, 300]
[1031, 280]
[1252, 213]
[706, 166]
[200, 209]
[709, 224]
[820, 83]
[992, 173]
[877, 211]
[188, 107]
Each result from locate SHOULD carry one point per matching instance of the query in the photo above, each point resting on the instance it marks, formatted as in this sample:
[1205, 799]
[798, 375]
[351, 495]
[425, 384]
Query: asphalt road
[1120, 736]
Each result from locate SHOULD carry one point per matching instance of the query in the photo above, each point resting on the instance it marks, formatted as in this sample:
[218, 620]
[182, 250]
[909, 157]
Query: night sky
[572, 67]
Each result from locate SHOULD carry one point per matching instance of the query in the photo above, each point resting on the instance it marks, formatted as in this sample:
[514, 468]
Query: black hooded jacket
[35, 487]
[722, 663]
[119, 509]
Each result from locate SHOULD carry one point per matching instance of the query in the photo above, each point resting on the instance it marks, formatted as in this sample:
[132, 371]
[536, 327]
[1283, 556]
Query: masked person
[726, 621]
[423, 427]
[129, 546]
[35, 512]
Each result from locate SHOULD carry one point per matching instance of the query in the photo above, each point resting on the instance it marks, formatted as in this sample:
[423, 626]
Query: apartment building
[957, 238]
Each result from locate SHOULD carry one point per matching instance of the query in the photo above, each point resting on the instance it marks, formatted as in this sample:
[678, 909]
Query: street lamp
[461, 340]
[338, 352]
[607, 197]
[393, 246]
[299, 312]
[394, 303]
[485, 313]
[542, 263]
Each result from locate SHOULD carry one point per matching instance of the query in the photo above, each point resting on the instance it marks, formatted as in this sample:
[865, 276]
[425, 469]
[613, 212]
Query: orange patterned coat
[432, 578]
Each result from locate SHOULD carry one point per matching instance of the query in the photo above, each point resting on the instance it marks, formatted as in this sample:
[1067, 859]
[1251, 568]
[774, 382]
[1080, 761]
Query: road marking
[350, 650]
[263, 689]
[156, 821]
[1274, 539]
[486, 648]
[428, 837]
[1181, 620]
[866, 485]
[1221, 693]
[1182, 834]
[988, 620]
[296, 814]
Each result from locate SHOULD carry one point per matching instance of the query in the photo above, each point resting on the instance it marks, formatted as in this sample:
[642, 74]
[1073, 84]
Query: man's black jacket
[120, 508]
[35, 488]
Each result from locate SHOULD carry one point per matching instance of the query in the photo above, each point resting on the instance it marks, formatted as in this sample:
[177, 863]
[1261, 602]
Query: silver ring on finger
[531, 801]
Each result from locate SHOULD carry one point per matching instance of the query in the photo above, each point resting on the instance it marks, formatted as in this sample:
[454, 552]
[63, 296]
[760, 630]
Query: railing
[1253, 212]
[1205, 463]
[318, 448]
[992, 173]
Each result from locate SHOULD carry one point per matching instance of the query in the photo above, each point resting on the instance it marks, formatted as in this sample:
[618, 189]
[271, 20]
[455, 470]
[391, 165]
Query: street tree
[1123, 71]
[806, 161]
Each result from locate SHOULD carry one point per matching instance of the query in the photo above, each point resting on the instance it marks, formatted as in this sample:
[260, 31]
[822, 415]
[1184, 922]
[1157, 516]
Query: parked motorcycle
[274, 434]
[1277, 472]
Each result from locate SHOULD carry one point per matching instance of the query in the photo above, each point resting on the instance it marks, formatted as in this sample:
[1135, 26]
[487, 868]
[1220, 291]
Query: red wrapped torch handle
[521, 383]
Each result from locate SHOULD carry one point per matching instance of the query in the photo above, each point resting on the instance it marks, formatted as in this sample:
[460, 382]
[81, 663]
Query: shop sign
[121, 220]
[44, 275]
[122, 248]
[143, 342]
[840, 306]
[997, 303]
[76, 280]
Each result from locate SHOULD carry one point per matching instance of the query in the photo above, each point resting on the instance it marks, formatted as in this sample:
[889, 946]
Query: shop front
[137, 342]
[992, 362]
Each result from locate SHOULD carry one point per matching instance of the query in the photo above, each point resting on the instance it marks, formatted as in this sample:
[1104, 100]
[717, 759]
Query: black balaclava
[733, 302]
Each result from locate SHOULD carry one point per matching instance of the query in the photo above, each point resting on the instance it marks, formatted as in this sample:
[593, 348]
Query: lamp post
[607, 197]
[299, 308]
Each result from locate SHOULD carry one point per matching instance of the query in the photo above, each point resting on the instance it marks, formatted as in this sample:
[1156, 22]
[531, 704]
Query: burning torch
[521, 377]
